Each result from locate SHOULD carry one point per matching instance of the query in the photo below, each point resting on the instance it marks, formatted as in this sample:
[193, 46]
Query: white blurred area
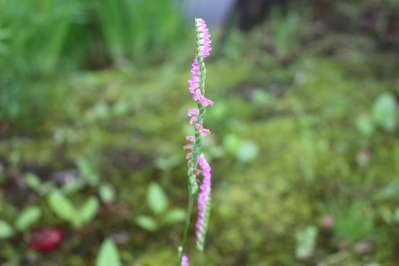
[213, 11]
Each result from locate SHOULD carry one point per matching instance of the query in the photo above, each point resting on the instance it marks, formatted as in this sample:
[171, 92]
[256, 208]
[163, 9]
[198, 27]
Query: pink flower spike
[185, 261]
[193, 111]
[203, 200]
[203, 163]
[190, 138]
[203, 35]
[199, 171]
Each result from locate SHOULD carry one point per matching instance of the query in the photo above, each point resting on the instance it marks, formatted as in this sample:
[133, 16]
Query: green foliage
[72, 186]
[6, 230]
[108, 254]
[138, 28]
[158, 203]
[365, 125]
[174, 216]
[384, 111]
[35, 21]
[107, 193]
[44, 28]
[244, 150]
[262, 98]
[285, 29]
[39, 187]
[88, 172]
[396, 215]
[56, 36]
[355, 223]
[306, 242]
[147, 222]
[156, 198]
[382, 115]
[48, 31]
[61, 206]
[248, 151]
[64, 208]
[28, 217]
[87, 211]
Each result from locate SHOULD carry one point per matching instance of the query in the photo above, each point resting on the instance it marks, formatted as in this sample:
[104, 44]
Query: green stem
[192, 191]
[201, 62]
[190, 206]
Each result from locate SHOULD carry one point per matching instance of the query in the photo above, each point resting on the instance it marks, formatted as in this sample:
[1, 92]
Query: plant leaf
[88, 211]
[365, 125]
[28, 217]
[384, 111]
[396, 215]
[232, 143]
[108, 254]
[33, 182]
[157, 199]
[306, 241]
[147, 223]
[62, 206]
[6, 230]
[174, 216]
[87, 171]
[107, 193]
[247, 152]
[73, 186]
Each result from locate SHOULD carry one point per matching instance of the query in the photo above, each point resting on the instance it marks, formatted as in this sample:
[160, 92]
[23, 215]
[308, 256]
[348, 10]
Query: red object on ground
[46, 239]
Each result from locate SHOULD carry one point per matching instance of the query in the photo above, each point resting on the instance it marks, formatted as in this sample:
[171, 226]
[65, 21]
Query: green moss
[132, 124]
[156, 257]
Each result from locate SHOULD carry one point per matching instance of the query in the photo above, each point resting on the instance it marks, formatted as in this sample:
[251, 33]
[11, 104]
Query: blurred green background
[305, 145]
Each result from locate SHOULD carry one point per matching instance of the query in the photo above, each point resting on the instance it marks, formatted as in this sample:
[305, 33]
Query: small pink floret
[193, 120]
[190, 138]
[193, 111]
[187, 147]
[185, 261]
[205, 132]
[199, 126]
